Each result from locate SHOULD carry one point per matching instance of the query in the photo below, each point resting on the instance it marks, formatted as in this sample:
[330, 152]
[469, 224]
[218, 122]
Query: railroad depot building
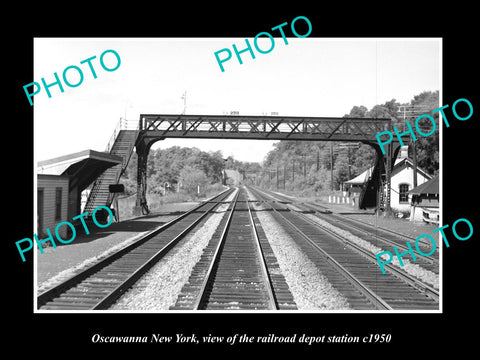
[425, 201]
[60, 182]
[401, 184]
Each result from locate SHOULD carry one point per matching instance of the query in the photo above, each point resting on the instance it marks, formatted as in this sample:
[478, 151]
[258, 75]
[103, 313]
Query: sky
[307, 77]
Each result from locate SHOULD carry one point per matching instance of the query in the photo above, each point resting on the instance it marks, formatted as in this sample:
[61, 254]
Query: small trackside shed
[426, 201]
[60, 182]
[81, 168]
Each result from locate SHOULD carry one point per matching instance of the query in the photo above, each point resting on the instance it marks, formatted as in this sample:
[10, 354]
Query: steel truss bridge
[262, 127]
[155, 127]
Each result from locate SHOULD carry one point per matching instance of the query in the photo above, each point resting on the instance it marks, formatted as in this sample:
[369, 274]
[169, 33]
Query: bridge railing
[267, 126]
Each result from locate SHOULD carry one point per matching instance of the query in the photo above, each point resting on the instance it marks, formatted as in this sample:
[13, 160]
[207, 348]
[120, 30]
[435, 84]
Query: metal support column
[142, 148]
[392, 152]
[141, 207]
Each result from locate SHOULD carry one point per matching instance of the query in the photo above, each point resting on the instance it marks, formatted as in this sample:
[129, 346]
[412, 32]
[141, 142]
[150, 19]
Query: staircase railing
[123, 124]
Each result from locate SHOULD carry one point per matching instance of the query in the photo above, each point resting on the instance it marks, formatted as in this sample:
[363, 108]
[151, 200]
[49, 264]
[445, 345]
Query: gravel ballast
[311, 290]
[159, 288]
[59, 264]
[427, 276]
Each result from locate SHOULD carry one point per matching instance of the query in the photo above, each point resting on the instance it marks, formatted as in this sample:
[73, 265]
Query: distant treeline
[305, 166]
[184, 167]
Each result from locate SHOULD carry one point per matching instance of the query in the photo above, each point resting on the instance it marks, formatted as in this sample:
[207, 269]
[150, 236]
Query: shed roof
[82, 167]
[399, 166]
[429, 187]
[362, 178]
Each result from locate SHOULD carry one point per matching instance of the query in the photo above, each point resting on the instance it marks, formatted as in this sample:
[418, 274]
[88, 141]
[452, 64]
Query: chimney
[404, 152]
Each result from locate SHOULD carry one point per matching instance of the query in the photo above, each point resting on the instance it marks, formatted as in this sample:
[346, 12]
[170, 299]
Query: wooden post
[277, 176]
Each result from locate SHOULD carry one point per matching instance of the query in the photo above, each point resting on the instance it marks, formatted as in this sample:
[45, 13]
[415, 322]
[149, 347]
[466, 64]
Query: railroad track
[350, 269]
[235, 271]
[99, 286]
[381, 237]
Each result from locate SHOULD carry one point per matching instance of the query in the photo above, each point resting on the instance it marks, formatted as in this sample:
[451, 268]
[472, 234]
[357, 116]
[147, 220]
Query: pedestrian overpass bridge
[154, 127]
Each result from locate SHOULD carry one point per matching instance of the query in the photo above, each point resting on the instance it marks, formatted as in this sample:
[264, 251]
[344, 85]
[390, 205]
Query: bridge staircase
[121, 144]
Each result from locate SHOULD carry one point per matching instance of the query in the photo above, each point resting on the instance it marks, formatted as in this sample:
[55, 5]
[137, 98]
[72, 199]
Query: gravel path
[159, 288]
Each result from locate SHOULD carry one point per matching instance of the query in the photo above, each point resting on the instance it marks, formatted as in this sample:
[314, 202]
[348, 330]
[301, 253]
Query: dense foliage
[184, 167]
[301, 166]
[307, 166]
[166, 168]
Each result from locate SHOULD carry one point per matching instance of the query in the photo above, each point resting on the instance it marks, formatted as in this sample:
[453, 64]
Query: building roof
[429, 187]
[399, 166]
[405, 163]
[362, 178]
[59, 165]
[82, 167]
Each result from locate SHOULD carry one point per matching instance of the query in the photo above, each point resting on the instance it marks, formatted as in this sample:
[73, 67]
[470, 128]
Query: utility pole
[413, 113]
[414, 155]
[293, 173]
[293, 170]
[277, 176]
[349, 159]
[184, 98]
[304, 166]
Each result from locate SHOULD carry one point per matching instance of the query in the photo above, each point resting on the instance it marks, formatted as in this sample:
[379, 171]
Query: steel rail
[366, 291]
[352, 224]
[349, 222]
[273, 304]
[210, 272]
[320, 208]
[402, 275]
[55, 291]
[113, 296]
[415, 282]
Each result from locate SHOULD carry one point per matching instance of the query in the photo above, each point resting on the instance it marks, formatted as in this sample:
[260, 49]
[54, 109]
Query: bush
[191, 178]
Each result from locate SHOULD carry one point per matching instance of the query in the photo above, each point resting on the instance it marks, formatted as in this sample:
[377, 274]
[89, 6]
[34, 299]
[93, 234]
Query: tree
[427, 147]
[357, 112]
[363, 158]
[165, 166]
